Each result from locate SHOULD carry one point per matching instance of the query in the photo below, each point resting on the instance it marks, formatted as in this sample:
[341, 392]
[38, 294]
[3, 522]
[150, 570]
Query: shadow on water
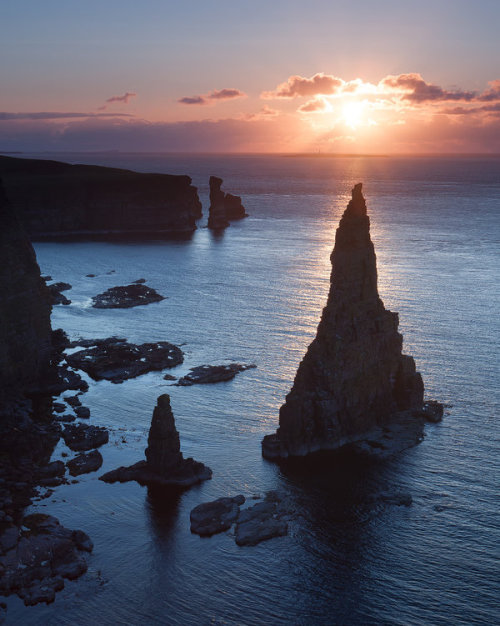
[217, 235]
[162, 506]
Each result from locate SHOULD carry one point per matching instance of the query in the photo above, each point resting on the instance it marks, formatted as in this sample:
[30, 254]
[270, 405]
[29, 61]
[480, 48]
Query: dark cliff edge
[354, 378]
[59, 201]
[36, 552]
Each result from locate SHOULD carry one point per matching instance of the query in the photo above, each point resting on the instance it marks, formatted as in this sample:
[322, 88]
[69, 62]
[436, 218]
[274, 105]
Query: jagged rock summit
[223, 206]
[164, 465]
[354, 377]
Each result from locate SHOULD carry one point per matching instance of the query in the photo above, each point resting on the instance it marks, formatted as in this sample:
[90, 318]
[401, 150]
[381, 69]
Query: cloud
[193, 100]
[265, 113]
[125, 98]
[493, 93]
[54, 115]
[316, 105]
[296, 86]
[228, 93]
[416, 89]
[486, 108]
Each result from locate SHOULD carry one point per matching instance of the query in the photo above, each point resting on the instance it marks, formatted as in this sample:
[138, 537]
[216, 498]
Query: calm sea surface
[255, 295]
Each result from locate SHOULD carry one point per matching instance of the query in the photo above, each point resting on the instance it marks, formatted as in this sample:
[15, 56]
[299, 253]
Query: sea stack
[354, 377]
[164, 465]
[223, 206]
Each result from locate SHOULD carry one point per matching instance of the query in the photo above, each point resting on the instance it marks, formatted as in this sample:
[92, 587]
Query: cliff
[223, 206]
[25, 331]
[57, 201]
[354, 376]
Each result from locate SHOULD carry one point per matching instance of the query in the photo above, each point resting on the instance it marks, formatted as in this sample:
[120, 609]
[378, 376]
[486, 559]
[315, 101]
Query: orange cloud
[266, 113]
[493, 93]
[316, 105]
[297, 86]
[216, 94]
[416, 89]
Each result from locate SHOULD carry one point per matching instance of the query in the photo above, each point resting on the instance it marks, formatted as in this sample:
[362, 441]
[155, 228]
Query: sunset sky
[359, 76]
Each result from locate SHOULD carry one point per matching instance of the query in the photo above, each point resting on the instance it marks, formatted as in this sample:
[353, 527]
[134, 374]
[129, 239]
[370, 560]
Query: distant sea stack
[223, 206]
[59, 201]
[165, 465]
[354, 376]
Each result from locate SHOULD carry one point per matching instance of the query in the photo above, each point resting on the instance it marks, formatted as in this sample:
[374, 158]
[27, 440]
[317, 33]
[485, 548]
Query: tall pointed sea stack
[354, 376]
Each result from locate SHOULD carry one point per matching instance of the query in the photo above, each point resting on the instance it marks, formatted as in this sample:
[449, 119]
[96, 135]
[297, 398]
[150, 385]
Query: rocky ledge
[223, 206]
[59, 201]
[260, 522]
[126, 297]
[165, 465]
[208, 374]
[354, 379]
[117, 360]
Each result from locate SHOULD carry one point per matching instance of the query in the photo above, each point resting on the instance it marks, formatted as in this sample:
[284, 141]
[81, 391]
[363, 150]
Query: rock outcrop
[223, 206]
[165, 465]
[126, 297]
[59, 201]
[209, 374]
[354, 377]
[25, 331]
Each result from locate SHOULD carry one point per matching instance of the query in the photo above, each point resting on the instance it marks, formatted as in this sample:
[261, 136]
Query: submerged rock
[116, 360]
[223, 206]
[164, 465]
[214, 517]
[354, 377]
[126, 297]
[207, 374]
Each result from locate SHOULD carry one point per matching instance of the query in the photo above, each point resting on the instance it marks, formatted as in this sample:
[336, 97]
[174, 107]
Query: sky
[358, 76]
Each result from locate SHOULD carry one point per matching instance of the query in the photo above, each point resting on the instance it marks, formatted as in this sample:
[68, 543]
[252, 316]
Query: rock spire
[354, 376]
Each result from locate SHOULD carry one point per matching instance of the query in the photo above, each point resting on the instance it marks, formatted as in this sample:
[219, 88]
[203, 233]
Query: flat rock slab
[258, 523]
[208, 374]
[186, 474]
[126, 297]
[214, 517]
[117, 360]
[79, 437]
[85, 463]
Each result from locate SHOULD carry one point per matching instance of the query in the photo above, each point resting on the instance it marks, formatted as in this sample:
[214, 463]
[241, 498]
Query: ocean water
[255, 295]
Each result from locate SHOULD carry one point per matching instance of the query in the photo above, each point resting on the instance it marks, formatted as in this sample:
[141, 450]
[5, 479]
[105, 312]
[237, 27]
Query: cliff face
[56, 200]
[25, 331]
[354, 375]
[223, 206]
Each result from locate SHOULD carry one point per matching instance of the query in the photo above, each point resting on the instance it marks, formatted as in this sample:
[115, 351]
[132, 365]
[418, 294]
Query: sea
[254, 294]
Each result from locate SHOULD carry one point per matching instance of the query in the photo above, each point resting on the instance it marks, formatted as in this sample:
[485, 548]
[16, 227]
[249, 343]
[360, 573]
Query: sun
[352, 114]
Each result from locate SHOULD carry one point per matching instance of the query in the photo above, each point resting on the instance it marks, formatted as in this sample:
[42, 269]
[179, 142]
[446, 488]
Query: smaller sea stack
[164, 465]
[223, 206]
[354, 377]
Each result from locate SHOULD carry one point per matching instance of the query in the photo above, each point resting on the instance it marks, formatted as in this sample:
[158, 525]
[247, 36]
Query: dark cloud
[193, 100]
[125, 98]
[216, 94]
[494, 109]
[421, 91]
[54, 115]
[295, 86]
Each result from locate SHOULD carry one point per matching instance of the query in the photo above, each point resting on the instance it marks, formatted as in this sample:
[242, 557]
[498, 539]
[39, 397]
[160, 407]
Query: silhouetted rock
[126, 297]
[116, 360]
[214, 517]
[259, 522]
[164, 465]
[37, 556]
[354, 377]
[207, 374]
[56, 297]
[84, 463]
[57, 200]
[80, 437]
[223, 206]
